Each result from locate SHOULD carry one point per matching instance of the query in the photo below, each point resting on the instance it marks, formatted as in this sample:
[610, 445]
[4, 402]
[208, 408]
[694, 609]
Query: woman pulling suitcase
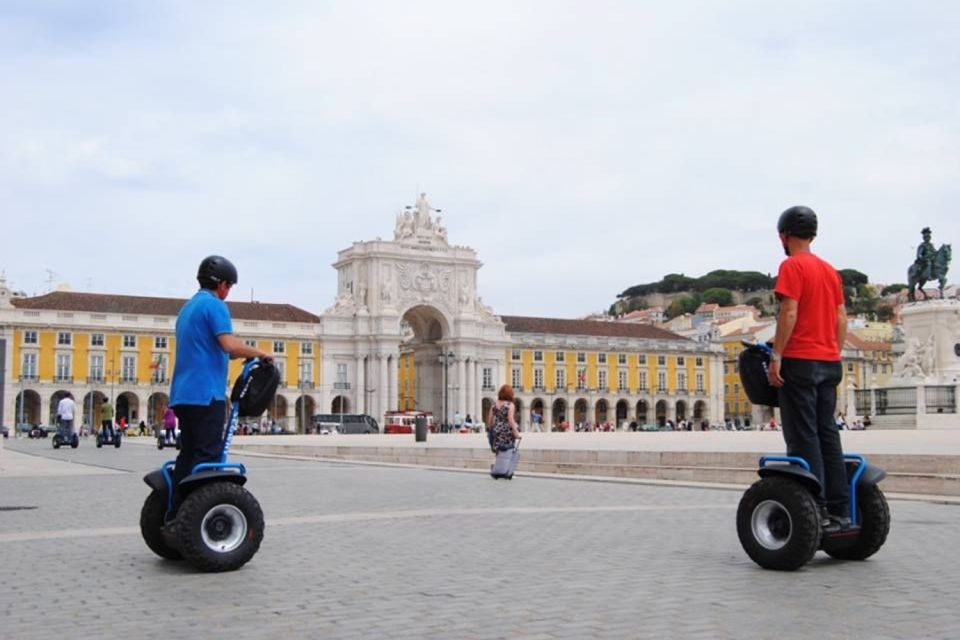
[504, 435]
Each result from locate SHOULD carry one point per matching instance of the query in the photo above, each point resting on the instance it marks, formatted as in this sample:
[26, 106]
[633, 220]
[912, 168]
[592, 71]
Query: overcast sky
[579, 147]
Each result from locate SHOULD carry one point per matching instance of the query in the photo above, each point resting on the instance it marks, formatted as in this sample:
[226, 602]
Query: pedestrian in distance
[503, 431]
[205, 344]
[805, 364]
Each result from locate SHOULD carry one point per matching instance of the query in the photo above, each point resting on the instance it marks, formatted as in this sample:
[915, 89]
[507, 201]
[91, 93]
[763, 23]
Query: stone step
[918, 474]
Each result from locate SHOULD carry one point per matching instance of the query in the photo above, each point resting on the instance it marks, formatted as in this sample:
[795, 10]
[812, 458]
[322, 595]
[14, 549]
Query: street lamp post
[303, 398]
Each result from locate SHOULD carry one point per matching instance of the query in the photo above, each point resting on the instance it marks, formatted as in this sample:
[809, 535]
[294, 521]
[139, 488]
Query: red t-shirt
[818, 290]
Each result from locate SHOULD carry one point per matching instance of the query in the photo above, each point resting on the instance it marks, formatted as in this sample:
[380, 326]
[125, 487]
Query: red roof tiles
[521, 324]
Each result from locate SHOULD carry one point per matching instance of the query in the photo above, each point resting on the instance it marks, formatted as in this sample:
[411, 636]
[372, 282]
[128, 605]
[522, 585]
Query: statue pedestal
[933, 328]
[923, 391]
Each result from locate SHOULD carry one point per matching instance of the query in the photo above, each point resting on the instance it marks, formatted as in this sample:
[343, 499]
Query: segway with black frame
[65, 436]
[778, 520]
[219, 525]
[113, 436]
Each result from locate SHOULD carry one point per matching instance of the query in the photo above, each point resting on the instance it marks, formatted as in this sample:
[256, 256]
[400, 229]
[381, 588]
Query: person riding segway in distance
[205, 344]
[805, 364]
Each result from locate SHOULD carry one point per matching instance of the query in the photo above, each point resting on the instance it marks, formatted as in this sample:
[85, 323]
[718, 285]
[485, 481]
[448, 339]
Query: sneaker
[836, 524]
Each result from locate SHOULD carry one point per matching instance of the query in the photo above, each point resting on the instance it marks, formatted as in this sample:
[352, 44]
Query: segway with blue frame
[113, 436]
[219, 525]
[65, 436]
[778, 519]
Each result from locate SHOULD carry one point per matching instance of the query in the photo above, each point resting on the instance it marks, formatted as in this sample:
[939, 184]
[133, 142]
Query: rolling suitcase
[506, 463]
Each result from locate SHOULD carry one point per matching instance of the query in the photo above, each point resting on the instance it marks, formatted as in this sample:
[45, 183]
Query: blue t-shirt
[200, 371]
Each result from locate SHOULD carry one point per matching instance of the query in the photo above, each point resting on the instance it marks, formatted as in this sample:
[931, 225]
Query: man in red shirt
[805, 365]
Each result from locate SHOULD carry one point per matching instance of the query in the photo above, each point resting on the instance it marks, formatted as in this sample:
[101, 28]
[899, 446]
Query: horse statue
[917, 275]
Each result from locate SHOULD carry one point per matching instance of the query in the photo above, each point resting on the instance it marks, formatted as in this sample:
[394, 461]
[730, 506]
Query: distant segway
[64, 437]
[219, 524]
[164, 441]
[778, 520]
[114, 437]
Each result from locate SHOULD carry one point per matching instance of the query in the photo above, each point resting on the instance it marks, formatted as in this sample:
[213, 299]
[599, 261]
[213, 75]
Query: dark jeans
[106, 426]
[201, 438]
[808, 399]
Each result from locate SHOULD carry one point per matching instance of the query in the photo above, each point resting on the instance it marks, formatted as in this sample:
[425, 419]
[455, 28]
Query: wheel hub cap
[771, 525]
[224, 528]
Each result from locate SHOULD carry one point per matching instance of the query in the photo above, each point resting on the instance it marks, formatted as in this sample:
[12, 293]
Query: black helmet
[798, 221]
[216, 269]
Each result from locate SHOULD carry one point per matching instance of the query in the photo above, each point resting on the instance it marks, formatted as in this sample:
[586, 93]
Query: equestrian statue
[931, 264]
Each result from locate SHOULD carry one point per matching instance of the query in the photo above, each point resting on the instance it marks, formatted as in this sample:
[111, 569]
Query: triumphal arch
[416, 295]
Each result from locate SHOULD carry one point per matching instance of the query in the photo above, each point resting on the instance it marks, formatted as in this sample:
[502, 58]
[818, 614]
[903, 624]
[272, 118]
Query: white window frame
[700, 382]
[621, 359]
[96, 367]
[97, 340]
[341, 373]
[128, 368]
[30, 337]
[515, 355]
[581, 357]
[643, 380]
[641, 359]
[306, 348]
[681, 381]
[561, 356]
[279, 346]
[160, 342]
[64, 367]
[622, 382]
[487, 377]
[601, 378]
[661, 361]
[538, 356]
[661, 381]
[699, 361]
[129, 341]
[681, 361]
[561, 379]
[250, 343]
[28, 365]
[516, 377]
[64, 339]
[581, 378]
[538, 378]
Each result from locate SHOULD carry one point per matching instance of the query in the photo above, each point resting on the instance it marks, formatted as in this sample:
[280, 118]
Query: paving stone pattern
[376, 552]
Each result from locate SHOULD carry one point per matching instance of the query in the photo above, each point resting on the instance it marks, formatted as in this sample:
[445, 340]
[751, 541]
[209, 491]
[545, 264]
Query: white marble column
[359, 391]
[461, 387]
[471, 392]
[393, 402]
[383, 391]
[477, 389]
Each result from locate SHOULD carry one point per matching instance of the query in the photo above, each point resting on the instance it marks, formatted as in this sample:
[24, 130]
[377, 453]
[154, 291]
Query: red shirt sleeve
[789, 280]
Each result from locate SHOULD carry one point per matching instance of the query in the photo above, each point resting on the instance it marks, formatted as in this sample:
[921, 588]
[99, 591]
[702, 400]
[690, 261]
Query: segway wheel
[151, 521]
[219, 527]
[74, 441]
[116, 441]
[56, 441]
[99, 441]
[177, 444]
[778, 524]
[160, 443]
[874, 518]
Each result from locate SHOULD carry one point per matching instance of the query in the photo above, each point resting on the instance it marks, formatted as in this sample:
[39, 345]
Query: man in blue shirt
[205, 344]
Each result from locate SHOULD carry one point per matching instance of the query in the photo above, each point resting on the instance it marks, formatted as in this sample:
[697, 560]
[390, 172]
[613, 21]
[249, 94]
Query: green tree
[893, 288]
[720, 296]
[852, 277]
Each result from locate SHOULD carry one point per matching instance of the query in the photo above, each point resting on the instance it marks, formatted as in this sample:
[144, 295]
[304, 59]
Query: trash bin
[420, 428]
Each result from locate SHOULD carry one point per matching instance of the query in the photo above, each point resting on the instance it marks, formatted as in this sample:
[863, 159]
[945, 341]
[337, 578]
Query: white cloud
[579, 147]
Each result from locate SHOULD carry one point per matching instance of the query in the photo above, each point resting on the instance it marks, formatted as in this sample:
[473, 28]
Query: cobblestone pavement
[356, 551]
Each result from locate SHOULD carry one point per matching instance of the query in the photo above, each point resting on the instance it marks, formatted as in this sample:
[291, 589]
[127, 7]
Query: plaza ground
[371, 551]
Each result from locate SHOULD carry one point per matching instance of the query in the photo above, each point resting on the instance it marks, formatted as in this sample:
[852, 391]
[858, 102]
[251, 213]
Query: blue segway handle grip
[220, 466]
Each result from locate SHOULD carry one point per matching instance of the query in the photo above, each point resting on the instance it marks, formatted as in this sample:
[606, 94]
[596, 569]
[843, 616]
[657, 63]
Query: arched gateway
[407, 322]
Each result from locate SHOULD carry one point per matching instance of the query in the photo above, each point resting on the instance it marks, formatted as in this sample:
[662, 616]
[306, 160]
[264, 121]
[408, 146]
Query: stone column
[383, 392]
[471, 392]
[393, 402]
[361, 384]
[461, 388]
[477, 389]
